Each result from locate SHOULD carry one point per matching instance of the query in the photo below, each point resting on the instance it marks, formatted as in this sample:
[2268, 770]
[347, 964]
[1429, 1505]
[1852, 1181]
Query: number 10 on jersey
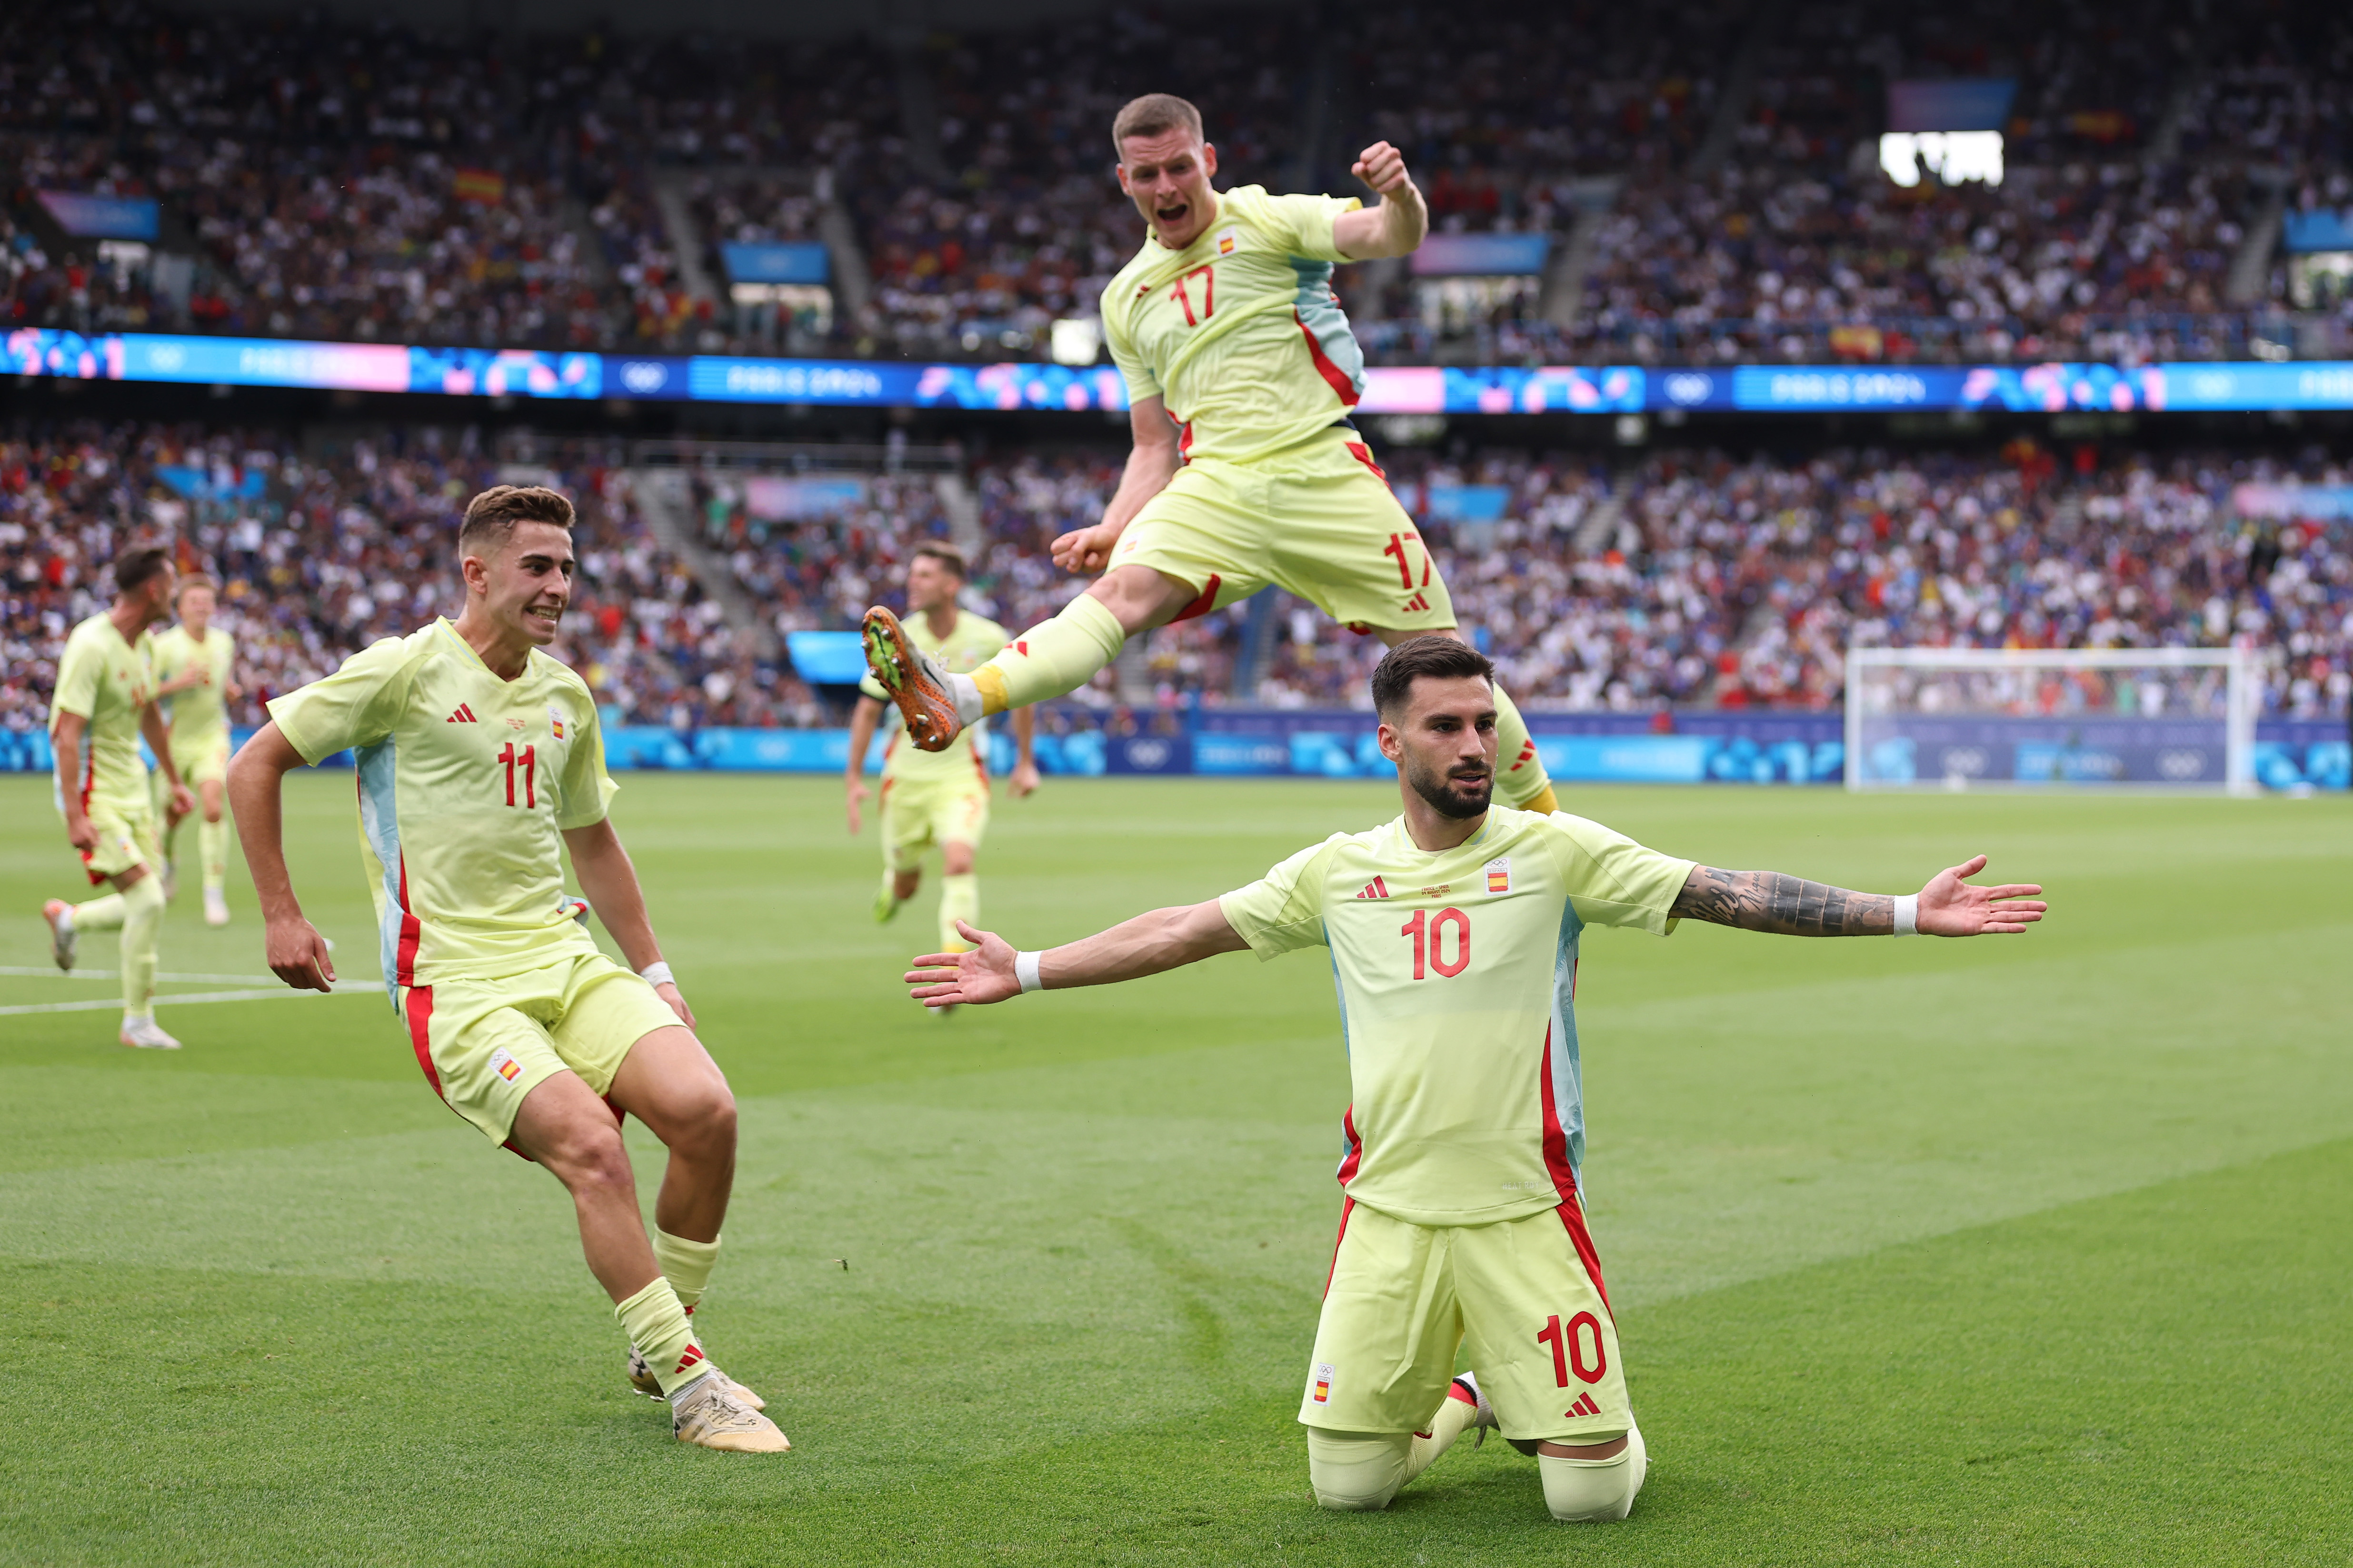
[1429, 933]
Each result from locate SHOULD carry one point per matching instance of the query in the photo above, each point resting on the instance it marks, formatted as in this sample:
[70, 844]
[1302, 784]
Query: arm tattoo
[1788, 906]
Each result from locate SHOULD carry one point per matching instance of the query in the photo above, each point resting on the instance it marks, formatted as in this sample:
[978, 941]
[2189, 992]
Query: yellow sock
[959, 901]
[657, 1325]
[687, 1266]
[1454, 1416]
[212, 844]
[100, 914]
[1052, 657]
[1520, 781]
[143, 930]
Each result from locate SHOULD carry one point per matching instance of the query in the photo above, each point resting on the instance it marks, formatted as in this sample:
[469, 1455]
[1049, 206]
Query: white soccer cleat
[711, 1413]
[146, 1035]
[215, 907]
[59, 914]
[641, 1377]
[1484, 1421]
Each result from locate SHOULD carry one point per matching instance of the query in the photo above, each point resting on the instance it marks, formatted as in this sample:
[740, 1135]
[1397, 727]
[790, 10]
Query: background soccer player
[193, 665]
[1454, 933]
[480, 764]
[936, 797]
[106, 697]
[1240, 372]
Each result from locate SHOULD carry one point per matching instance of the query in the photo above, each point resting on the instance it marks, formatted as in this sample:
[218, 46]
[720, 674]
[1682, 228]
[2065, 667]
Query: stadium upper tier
[1687, 183]
[1675, 578]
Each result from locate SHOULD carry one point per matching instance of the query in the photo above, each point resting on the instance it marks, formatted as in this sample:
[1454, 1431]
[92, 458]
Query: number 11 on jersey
[528, 760]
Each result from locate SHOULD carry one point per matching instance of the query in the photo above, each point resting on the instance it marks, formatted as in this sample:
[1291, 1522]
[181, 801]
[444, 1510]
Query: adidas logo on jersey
[1376, 889]
[1527, 755]
[1584, 1406]
[464, 715]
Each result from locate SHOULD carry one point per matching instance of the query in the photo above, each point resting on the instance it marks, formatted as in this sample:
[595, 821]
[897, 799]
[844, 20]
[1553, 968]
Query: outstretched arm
[1791, 905]
[1148, 944]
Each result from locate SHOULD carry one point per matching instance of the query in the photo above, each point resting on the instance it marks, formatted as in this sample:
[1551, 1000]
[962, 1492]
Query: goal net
[1928, 718]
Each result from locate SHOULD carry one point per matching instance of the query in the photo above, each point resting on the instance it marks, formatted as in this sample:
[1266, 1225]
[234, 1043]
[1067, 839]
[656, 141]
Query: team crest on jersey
[1227, 241]
[505, 1066]
[1323, 1395]
[1499, 874]
[555, 721]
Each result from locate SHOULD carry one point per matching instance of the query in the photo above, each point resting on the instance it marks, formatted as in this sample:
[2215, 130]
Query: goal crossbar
[2179, 764]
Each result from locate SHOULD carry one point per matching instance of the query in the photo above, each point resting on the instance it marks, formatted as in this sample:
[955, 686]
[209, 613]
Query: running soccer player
[1240, 374]
[105, 701]
[936, 797]
[480, 764]
[1453, 934]
[194, 661]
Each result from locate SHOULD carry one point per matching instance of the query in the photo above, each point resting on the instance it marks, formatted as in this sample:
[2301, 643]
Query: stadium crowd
[1687, 578]
[371, 183]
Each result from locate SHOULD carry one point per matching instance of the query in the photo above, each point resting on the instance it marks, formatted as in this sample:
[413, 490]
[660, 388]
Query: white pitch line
[94, 1007]
[52, 972]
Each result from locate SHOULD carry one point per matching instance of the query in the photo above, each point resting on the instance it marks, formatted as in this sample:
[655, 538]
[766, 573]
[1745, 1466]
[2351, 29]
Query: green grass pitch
[2025, 1250]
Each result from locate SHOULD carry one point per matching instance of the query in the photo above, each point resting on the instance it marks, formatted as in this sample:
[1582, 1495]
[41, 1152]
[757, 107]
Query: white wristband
[1907, 914]
[656, 973]
[1024, 970]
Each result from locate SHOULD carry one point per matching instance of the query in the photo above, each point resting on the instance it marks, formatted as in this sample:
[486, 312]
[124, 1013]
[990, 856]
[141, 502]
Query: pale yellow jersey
[1239, 333]
[972, 642]
[466, 784]
[109, 682]
[1457, 978]
[200, 713]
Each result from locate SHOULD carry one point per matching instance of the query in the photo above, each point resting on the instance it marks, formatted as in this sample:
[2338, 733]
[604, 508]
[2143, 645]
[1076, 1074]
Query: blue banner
[2052, 388]
[104, 217]
[777, 263]
[1481, 254]
[1950, 103]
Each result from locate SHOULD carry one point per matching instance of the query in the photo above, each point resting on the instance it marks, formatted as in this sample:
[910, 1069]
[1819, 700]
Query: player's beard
[1459, 797]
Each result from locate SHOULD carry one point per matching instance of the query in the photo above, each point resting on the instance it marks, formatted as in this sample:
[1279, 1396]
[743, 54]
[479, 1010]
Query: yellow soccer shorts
[126, 837]
[920, 813]
[1522, 1297]
[485, 1044]
[205, 759]
[1317, 520]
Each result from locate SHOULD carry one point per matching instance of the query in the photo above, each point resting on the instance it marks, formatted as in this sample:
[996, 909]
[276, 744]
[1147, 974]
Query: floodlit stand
[1932, 718]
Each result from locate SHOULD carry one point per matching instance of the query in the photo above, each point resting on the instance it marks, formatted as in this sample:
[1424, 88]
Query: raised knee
[1357, 1472]
[593, 1158]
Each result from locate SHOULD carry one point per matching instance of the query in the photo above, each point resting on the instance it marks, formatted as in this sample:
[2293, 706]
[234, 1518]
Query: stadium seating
[375, 184]
[1688, 578]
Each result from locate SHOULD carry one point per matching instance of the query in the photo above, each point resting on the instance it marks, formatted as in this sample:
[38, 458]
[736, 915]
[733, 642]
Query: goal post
[1933, 718]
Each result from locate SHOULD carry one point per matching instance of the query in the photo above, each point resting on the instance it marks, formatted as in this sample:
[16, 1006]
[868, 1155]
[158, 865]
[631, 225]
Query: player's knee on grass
[1356, 1471]
[1593, 1490]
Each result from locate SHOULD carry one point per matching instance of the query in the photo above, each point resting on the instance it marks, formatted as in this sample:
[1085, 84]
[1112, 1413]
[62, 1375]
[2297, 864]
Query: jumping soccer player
[106, 695]
[481, 762]
[1453, 932]
[936, 797]
[1240, 374]
[193, 665]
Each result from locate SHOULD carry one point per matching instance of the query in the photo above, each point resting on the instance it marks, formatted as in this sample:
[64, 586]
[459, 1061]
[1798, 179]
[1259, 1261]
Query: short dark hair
[139, 566]
[947, 555]
[1439, 657]
[1151, 115]
[490, 517]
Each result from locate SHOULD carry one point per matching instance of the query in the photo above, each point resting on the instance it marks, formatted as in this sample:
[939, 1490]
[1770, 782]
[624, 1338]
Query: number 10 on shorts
[1568, 1346]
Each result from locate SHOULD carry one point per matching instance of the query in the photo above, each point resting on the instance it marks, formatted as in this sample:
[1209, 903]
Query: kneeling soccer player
[479, 763]
[1453, 932]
